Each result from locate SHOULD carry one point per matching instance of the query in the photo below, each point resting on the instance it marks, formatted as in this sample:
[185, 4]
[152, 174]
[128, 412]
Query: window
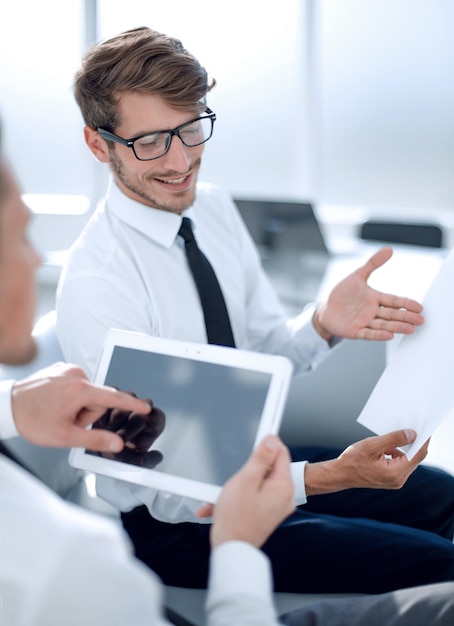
[41, 43]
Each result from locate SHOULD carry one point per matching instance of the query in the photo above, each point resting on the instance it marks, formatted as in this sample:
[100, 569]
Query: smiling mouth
[173, 181]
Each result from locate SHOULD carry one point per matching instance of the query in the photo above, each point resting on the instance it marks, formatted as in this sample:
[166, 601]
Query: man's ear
[97, 144]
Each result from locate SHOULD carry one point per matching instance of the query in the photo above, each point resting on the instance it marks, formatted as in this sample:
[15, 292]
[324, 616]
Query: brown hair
[141, 60]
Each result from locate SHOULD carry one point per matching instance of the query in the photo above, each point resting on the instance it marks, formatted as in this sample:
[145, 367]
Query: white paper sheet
[416, 389]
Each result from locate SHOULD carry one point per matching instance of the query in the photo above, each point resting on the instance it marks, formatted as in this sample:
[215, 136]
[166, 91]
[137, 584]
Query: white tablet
[216, 403]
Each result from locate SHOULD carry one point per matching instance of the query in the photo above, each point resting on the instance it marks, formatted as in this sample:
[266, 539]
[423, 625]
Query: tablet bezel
[278, 367]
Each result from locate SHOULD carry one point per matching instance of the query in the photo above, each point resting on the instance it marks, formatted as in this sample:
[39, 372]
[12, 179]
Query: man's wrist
[324, 334]
[323, 477]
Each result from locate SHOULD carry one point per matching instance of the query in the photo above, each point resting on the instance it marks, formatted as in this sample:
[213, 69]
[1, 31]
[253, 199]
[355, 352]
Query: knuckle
[75, 371]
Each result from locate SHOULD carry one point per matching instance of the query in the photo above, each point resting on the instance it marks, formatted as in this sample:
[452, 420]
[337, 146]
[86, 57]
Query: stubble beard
[178, 205]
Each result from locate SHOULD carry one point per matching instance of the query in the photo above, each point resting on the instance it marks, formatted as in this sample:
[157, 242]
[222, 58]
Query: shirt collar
[161, 226]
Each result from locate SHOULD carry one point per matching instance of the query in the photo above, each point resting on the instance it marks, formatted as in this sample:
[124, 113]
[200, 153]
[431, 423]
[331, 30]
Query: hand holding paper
[416, 389]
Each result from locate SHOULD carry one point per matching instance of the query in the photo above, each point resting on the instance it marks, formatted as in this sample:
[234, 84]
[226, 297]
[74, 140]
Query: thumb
[264, 455]
[399, 438]
[376, 260]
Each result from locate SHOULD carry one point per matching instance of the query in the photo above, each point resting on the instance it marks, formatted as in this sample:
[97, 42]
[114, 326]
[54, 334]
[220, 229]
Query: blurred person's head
[18, 263]
[143, 99]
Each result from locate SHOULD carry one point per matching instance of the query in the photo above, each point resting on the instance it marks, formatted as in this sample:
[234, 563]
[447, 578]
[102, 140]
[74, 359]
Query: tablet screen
[212, 411]
[211, 406]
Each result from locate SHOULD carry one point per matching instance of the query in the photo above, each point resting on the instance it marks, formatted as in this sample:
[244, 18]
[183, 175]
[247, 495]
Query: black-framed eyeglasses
[154, 145]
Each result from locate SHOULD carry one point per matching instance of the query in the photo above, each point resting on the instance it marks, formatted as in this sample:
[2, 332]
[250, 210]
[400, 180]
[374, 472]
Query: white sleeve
[268, 328]
[61, 565]
[7, 424]
[297, 471]
[306, 348]
[162, 505]
[95, 580]
[240, 587]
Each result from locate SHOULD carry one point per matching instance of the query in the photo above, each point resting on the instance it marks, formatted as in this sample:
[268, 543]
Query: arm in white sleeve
[306, 345]
[268, 328]
[69, 567]
[7, 425]
[97, 581]
[91, 305]
[240, 587]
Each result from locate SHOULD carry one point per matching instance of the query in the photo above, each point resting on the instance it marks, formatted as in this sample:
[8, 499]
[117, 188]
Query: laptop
[292, 247]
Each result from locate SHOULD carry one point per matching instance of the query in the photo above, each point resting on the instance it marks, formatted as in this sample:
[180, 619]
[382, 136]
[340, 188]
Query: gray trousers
[418, 606]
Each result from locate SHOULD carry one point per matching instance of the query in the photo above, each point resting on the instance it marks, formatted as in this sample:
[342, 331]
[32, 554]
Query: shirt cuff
[239, 569]
[7, 424]
[297, 471]
[310, 347]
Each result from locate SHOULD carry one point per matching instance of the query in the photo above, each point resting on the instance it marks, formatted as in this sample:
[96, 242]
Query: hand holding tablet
[215, 405]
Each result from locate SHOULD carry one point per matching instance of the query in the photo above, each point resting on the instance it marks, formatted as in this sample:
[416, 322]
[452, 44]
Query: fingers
[110, 397]
[394, 304]
[382, 327]
[96, 399]
[396, 314]
[393, 315]
[391, 303]
[400, 438]
[206, 510]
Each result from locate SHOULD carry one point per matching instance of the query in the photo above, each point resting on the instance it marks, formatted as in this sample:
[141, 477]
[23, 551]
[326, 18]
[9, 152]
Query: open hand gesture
[356, 311]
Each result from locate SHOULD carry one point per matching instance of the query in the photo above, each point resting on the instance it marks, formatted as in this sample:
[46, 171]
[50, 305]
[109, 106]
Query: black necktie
[217, 321]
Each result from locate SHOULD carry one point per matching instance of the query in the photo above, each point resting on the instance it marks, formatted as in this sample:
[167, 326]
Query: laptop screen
[291, 243]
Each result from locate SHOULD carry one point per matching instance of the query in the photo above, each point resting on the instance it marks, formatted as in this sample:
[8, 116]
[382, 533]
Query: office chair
[415, 234]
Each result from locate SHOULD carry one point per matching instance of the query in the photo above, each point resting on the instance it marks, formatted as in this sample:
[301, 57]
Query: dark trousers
[359, 540]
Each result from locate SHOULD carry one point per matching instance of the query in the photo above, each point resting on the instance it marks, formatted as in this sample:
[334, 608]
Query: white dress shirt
[128, 270]
[62, 565]
[7, 424]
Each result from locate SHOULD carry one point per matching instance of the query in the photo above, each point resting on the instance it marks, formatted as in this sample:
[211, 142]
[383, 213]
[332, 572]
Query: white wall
[386, 96]
[40, 45]
[381, 131]
[256, 51]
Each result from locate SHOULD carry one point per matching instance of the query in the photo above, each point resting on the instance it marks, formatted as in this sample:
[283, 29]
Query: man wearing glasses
[154, 145]
[143, 100]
